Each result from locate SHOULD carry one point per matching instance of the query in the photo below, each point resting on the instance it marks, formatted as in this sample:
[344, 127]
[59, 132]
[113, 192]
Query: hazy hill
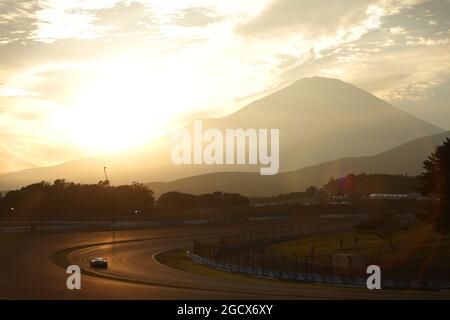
[406, 158]
[319, 120]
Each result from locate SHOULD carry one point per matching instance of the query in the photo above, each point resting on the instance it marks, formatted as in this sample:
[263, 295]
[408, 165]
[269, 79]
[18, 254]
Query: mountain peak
[316, 94]
[330, 87]
[318, 79]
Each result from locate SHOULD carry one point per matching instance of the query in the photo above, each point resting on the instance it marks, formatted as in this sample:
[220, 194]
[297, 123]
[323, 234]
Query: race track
[31, 268]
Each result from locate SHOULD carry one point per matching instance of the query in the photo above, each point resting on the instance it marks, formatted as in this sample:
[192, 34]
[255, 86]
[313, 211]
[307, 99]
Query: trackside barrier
[61, 226]
[194, 222]
[16, 229]
[123, 224]
[317, 278]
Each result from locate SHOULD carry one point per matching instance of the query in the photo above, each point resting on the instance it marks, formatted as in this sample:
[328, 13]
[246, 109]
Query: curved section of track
[134, 262]
[28, 270]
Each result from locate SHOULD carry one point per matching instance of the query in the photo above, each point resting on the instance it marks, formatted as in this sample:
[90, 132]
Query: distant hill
[319, 119]
[405, 159]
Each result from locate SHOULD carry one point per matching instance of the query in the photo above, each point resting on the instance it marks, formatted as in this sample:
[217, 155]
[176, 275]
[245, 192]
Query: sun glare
[119, 111]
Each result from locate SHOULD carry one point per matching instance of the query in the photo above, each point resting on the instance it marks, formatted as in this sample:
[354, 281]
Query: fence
[244, 254]
[245, 250]
[358, 281]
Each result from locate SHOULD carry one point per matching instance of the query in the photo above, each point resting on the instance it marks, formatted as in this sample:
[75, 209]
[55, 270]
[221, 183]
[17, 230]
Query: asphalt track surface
[32, 267]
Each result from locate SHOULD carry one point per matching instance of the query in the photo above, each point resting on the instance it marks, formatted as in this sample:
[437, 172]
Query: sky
[79, 78]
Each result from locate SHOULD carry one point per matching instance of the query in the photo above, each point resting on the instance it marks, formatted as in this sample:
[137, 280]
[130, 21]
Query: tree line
[64, 200]
[67, 200]
[364, 184]
[179, 200]
[353, 185]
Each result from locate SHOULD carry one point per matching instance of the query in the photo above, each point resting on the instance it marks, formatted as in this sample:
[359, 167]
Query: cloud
[63, 22]
[433, 105]
[292, 33]
[309, 18]
[397, 30]
[318, 18]
[17, 19]
[125, 18]
[234, 50]
[198, 16]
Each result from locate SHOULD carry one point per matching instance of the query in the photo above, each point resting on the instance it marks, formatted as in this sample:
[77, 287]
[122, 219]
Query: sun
[127, 102]
[118, 111]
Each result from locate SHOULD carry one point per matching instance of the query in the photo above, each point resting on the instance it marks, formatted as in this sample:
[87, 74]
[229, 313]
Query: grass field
[418, 248]
[177, 259]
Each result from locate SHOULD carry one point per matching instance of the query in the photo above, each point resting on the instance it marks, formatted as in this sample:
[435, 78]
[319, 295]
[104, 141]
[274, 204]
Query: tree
[436, 181]
[323, 195]
[311, 191]
[385, 227]
[177, 200]
[184, 201]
